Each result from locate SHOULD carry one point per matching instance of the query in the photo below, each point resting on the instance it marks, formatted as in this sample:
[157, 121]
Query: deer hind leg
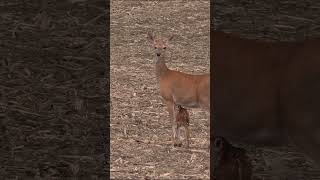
[204, 102]
[205, 105]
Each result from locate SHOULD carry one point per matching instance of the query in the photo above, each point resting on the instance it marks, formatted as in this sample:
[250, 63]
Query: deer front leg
[187, 135]
[170, 108]
[178, 143]
[176, 125]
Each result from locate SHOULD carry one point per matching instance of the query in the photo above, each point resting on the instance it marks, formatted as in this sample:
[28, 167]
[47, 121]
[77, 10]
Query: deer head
[159, 45]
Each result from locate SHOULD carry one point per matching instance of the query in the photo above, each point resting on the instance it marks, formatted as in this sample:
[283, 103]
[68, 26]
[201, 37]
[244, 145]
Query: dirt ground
[140, 128]
[52, 117]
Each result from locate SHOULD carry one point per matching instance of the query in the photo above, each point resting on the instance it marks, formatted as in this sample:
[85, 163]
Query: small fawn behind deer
[178, 88]
[182, 119]
[230, 162]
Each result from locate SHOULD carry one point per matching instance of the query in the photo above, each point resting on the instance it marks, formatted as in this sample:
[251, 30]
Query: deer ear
[150, 37]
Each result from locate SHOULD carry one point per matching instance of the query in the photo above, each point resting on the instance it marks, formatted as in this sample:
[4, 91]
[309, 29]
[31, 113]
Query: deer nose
[158, 54]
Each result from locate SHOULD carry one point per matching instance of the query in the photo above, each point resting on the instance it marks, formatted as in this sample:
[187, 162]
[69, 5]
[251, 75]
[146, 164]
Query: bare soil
[52, 91]
[140, 126]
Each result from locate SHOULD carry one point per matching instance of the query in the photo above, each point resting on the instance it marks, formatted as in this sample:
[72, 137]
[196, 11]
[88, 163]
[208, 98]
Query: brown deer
[182, 119]
[186, 90]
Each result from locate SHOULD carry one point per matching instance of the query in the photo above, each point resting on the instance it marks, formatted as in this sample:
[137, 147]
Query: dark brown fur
[267, 92]
[229, 162]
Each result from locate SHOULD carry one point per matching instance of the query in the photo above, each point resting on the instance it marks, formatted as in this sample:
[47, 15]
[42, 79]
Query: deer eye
[155, 47]
[164, 47]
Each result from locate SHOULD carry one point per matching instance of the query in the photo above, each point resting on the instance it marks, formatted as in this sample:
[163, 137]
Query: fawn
[230, 162]
[182, 119]
[178, 88]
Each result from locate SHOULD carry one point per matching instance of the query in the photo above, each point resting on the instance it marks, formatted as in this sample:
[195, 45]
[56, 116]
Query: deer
[178, 88]
[182, 119]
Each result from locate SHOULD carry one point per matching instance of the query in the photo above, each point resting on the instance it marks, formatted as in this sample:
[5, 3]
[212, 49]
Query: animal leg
[206, 105]
[170, 108]
[176, 125]
[187, 135]
[178, 143]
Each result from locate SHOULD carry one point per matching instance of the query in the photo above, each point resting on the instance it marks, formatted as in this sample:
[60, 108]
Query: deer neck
[161, 67]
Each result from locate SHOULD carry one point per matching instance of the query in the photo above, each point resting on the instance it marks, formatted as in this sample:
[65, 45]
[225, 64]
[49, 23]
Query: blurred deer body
[267, 93]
